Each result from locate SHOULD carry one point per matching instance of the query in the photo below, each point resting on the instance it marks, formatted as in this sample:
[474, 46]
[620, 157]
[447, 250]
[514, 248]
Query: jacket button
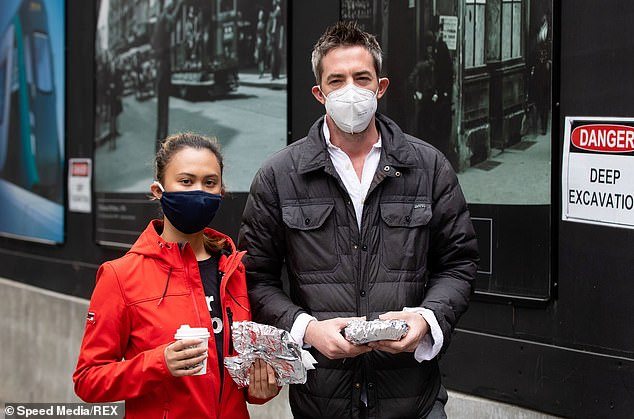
[386, 169]
[364, 248]
[307, 221]
[370, 386]
[408, 218]
[357, 385]
[397, 174]
[362, 293]
[355, 247]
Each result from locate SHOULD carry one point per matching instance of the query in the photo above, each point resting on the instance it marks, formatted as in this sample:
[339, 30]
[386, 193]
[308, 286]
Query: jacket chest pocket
[310, 237]
[405, 235]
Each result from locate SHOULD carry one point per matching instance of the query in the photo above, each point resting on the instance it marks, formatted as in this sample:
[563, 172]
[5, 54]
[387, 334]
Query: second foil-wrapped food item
[275, 346]
[360, 332]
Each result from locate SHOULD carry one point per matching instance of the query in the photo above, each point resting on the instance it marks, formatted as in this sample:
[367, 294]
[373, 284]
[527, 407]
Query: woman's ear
[156, 191]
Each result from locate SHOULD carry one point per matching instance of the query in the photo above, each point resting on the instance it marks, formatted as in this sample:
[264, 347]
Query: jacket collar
[396, 150]
[151, 244]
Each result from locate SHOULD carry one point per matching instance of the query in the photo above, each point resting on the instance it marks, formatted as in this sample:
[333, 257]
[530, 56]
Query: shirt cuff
[299, 329]
[430, 344]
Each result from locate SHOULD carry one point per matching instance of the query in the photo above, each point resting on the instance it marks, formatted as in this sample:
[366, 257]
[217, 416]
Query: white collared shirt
[357, 189]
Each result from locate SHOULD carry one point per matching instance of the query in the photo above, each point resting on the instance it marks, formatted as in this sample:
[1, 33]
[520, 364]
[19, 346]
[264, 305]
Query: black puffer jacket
[416, 247]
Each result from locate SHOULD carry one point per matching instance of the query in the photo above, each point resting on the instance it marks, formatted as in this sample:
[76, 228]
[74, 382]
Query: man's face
[348, 65]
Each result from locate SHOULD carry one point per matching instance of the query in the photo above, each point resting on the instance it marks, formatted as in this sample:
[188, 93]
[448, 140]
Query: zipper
[230, 318]
[229, 348]
[191, 287]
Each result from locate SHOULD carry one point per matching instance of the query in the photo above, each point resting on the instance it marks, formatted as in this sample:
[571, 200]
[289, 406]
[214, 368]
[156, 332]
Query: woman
[178, 272]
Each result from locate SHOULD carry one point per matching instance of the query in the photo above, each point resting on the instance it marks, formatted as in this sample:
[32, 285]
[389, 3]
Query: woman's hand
[262, 384]
[182, 360]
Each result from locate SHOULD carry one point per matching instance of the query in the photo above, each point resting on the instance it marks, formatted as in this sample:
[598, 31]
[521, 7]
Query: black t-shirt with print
[211, 284]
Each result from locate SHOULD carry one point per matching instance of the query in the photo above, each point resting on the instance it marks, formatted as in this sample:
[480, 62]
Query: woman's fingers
[271, 375]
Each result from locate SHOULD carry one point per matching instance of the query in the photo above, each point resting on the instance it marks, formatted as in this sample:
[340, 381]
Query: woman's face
[193, 169]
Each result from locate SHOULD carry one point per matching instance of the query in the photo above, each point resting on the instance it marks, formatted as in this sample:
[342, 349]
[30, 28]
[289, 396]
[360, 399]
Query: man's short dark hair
[345, 34]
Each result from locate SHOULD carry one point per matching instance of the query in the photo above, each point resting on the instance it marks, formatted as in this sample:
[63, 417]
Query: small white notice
[79, 190]
[598, 171]
[449, 31]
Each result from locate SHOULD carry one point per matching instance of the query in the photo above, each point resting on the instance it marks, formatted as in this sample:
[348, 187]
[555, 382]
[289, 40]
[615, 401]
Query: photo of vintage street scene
[475, 82]
[164, 66]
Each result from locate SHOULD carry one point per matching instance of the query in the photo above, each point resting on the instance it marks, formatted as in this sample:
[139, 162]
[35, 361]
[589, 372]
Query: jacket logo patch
[90, 317]
[419, 206]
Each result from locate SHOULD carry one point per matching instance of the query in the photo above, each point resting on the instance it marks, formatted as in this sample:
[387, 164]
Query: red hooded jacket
[138, 303]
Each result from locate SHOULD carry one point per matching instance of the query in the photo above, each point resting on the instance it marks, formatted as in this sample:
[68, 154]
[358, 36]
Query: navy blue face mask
[189, 211]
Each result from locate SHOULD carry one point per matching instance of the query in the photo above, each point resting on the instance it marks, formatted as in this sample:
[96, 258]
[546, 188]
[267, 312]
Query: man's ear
[319, 95]
[384, 82]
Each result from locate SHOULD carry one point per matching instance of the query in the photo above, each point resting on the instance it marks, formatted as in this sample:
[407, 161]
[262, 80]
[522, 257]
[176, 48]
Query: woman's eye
[185, 181]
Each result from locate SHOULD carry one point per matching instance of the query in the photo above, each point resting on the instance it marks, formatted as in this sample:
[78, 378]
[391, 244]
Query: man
[274, 38]
[444, 88]
[371, 223]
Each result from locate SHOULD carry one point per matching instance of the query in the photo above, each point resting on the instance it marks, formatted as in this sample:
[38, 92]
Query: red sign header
[604, 138]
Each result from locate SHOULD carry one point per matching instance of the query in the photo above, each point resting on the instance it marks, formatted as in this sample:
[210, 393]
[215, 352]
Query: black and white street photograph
[217, 68]
[475, 82]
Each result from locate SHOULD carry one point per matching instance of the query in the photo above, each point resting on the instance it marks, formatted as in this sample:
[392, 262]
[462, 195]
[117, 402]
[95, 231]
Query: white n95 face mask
[351, 107]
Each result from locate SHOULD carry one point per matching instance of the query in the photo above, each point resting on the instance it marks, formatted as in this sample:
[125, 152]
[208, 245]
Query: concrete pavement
[518, 175]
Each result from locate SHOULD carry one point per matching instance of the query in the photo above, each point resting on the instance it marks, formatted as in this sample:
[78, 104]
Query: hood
[150, 244]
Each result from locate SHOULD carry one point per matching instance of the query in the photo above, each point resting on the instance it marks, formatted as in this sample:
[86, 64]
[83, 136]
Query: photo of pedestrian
[259, 55]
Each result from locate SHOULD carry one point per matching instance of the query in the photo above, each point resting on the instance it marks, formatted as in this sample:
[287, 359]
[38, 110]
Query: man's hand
[326, 337]
[418, 328]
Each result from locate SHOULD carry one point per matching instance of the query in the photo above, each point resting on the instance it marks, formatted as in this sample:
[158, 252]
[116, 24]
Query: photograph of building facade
[164, 66]
[474, 82]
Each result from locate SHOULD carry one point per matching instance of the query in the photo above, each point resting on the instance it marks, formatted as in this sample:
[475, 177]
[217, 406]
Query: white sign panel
[79, 175]
[449, 30]
[598, 171]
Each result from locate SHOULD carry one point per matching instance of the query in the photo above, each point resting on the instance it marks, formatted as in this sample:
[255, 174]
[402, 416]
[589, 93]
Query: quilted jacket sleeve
[453, 254]
[102, 375]
[262, 236]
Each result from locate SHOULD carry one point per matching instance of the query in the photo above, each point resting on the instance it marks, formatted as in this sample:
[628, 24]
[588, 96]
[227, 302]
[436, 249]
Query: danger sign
[598, 171]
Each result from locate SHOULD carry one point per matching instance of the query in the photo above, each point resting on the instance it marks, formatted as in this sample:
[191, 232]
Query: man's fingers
[390, 315]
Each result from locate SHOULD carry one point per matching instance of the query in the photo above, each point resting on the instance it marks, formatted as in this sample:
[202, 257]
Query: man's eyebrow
[362, 73]
[335, 76]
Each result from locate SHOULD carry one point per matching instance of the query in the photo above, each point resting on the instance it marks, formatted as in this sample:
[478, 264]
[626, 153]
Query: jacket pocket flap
[306, 217]
[406, 214]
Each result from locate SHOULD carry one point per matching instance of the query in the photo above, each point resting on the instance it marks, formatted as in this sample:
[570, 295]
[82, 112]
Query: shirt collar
[331, 146]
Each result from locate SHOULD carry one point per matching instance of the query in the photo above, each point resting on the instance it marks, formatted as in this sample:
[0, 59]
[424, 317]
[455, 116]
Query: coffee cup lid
[185, 331]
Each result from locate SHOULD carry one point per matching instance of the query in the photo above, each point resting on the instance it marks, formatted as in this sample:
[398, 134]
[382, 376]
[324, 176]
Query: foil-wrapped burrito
[360, 332]
[275, 346]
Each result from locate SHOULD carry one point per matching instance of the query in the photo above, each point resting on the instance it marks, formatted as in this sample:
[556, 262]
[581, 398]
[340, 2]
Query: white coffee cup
[187, 332]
